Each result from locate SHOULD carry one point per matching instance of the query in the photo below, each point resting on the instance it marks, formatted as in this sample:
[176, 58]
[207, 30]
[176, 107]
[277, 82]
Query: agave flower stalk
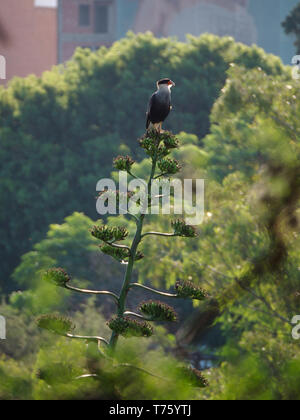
[126, 323]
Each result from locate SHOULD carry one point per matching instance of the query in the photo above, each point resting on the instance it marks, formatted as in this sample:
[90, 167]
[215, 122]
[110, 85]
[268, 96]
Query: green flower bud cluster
[56, 324]
[120, 254]
[57, 276]
[169, 140]
[109, 234]
[158, 311]
[139, 256]
[194, 377]
[115, 194]
[130, 328]
[158, 144]
[169, 166]
[150, 142]
[57, 373]
[123, 163]
[187, 290]
[182, 229]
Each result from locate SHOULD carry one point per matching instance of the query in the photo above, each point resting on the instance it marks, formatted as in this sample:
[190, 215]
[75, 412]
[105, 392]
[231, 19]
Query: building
[31, 44]
[91, 23]
[46, 32]
[85, 23]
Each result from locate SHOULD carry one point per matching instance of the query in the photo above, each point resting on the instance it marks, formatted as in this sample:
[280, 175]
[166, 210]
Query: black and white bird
[159, 105]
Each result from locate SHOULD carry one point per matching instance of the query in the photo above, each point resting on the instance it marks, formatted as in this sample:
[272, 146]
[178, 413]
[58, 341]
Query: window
[84, 15]
[45, 3]
[101, 18]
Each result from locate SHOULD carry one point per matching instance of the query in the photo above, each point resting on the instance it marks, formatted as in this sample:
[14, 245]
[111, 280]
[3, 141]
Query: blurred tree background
[60, 132]
[292, 25]
[236, 110]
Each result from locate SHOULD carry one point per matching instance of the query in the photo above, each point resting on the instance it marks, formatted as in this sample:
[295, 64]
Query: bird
[159, 105]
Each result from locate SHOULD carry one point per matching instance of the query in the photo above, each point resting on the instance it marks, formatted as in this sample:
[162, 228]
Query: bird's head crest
[165, 82]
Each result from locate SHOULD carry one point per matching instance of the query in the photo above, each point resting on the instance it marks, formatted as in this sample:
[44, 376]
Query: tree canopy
[292, 25]
[58, 133]
[239, 109]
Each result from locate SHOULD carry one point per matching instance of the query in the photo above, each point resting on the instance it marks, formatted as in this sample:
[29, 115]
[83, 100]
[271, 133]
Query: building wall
[71, 34]
[177, 18]
[248, 21]
[40, 37]
[32, 38]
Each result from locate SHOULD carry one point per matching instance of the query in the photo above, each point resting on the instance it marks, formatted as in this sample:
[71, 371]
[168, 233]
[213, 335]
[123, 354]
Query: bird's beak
[172, 83]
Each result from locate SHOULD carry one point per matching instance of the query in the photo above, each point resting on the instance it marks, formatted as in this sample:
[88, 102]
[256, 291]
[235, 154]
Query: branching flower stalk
[129, 324]
[133, 250]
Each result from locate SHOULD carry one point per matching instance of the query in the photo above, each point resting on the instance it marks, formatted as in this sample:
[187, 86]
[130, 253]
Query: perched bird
[160, 104]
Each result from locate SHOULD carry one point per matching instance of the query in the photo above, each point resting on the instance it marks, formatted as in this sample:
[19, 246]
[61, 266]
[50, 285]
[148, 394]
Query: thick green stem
[133, 250]
[128, 276]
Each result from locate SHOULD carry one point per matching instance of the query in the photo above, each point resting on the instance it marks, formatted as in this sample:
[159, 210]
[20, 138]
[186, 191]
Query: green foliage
[55, 324]
[56, 370]
[153, 144]
[123, 163]
[66, 126]
[15, 381]
[187, 290]
[170, 142]
[158, 311]
[246, 253]
[128, 378]
[57, 373]
[72, 246]
[72, 236]
[108, 234]
[195, 377]
[169, 166]
[292, 25]
[22, 336]
[182, 229]
[255, 120]
[57, 276]
[160, 145]
[257, 369]
[122, 325]
[119, 254]
[130, 328]
[58, 366]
